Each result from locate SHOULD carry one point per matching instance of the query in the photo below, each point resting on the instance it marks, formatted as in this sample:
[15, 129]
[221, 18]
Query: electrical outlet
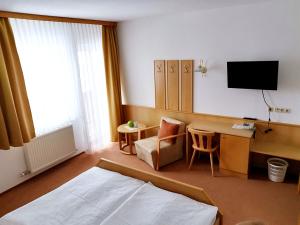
[278, 110]
[282, 110]
[26, 172]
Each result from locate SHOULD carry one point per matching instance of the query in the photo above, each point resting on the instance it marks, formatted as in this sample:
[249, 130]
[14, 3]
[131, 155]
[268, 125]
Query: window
[64, 74]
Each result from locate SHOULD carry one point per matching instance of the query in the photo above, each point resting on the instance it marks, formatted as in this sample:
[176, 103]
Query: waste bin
[277, 169]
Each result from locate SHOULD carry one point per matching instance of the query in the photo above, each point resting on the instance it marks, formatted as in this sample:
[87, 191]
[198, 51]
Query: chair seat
[146, 149]
[150, 144]
[214, 148]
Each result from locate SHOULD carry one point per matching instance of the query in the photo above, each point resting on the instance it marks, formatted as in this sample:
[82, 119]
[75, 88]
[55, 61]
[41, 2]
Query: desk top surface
[276, 149]
[220, 127]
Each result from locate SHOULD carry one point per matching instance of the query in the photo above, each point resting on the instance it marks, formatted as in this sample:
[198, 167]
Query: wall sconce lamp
[202, 68]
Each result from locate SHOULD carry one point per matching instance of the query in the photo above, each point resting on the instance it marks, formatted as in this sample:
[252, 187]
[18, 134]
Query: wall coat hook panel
[172, 87]
[186, 85]
[160, 84]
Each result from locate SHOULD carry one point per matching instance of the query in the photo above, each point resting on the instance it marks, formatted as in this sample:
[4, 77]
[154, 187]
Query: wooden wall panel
[151, 116]
[172, 85]
[160, 84]
[282, 132]
[186, 86]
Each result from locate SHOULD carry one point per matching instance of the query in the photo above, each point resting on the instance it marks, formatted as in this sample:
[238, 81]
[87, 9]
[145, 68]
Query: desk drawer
[234, 153]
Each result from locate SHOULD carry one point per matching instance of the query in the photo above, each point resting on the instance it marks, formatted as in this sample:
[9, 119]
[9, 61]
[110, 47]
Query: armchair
[158, 152]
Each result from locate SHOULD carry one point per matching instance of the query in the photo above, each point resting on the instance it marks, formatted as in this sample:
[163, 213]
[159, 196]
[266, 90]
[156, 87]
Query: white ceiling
[114, 10]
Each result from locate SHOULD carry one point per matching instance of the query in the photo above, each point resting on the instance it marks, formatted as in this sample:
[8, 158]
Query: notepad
[245, 126]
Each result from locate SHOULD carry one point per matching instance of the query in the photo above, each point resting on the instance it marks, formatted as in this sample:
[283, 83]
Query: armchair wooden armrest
[163, 139]
[144, 129]
[169, 137]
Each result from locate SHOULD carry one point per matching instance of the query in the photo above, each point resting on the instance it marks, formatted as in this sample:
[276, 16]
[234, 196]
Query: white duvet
[102, 197]
[86, 200]
[150, 205]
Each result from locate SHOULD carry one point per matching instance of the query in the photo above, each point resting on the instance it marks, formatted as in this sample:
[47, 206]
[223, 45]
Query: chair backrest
[202, 140]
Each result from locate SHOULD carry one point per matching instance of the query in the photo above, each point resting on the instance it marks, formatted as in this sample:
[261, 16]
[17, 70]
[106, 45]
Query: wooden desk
[234, 144]
[220, 127]
[276, 149]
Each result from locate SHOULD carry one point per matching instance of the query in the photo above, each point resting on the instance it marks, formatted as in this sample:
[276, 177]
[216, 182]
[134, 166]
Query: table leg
[120, 141]
[123, 145]
[126, 138]
[130, 143]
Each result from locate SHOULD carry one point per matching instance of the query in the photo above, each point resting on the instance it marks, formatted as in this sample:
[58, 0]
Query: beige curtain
[16, 125]
[113, 83]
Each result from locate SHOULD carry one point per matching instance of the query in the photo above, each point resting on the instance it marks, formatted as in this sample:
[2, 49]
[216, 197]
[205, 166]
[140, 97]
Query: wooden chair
[203, 142]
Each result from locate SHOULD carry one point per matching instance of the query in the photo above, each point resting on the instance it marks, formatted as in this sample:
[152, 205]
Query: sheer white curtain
[64, 73]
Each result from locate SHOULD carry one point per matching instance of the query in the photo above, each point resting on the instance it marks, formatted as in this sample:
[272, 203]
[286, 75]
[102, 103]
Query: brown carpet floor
[238, 199]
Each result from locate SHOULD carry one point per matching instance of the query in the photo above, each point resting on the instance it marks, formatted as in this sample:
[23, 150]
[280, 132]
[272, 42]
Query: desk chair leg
[192, 160]
[299, 184]
[211, 163]
[218, 155]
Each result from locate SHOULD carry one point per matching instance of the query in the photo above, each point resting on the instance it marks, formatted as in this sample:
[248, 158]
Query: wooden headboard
[190, 191]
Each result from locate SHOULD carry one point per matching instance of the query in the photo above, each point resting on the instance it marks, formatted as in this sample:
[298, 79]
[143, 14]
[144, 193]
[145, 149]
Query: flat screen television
[261, 75]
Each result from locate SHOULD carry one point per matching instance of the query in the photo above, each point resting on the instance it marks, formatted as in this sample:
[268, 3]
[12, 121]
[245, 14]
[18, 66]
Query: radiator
[47, 150]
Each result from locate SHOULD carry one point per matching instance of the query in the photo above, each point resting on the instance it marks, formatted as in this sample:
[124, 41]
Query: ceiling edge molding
[17, 15]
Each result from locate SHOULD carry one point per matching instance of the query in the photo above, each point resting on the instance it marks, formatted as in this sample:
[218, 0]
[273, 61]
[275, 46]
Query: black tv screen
[261, 75]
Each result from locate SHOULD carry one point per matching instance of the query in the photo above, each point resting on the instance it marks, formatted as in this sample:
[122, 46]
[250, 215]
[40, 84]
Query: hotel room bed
[113, 194]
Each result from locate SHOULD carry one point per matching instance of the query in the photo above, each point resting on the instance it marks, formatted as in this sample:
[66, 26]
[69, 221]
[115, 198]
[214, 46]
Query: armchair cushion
[150, 144]
[168, 129]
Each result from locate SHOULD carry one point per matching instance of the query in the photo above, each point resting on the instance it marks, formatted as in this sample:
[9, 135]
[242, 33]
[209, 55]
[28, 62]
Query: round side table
[128, 132]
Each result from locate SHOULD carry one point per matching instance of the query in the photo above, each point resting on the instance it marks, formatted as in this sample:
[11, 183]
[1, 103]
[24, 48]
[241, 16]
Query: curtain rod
[17, 15]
